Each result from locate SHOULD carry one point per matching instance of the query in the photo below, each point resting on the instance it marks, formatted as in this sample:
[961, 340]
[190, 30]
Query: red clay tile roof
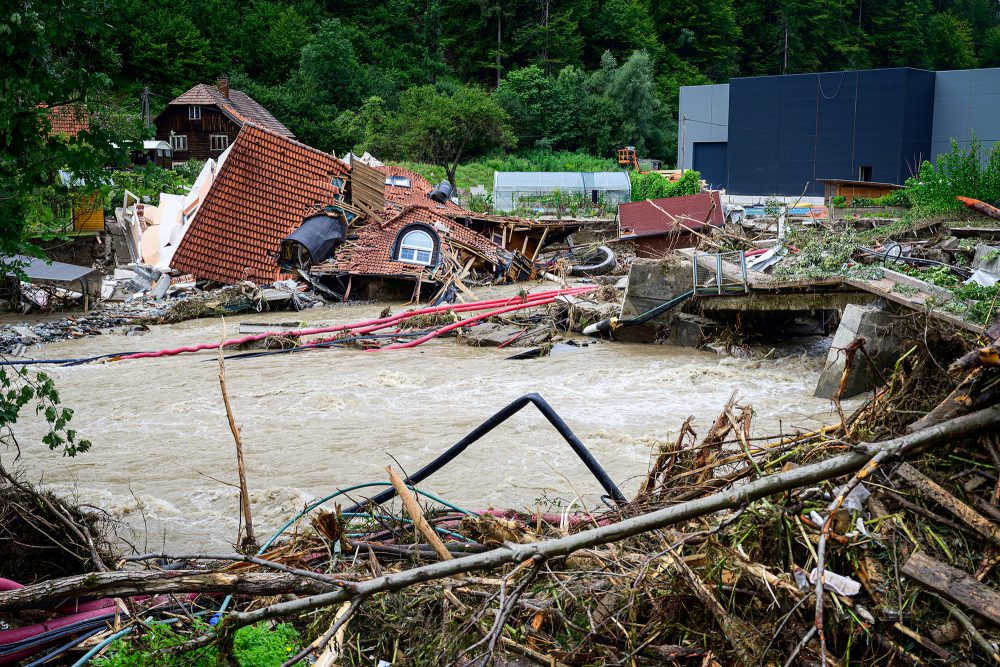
[663, 216]
[371, 252]
[397, 197]
[239, 106]
[69, 119]
[264, 190]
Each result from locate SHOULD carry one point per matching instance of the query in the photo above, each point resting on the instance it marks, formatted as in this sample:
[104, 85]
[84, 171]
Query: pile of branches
[875, 540]
[44, 536]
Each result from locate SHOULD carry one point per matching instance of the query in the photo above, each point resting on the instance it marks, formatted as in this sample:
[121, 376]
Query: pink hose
[378, 323]
[466, 322]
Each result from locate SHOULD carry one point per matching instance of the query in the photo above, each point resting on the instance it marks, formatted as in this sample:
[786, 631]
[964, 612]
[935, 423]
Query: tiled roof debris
[663, 216]
[397, 196]
[239, 106]
[265, 189]
[371, 252]
[69, 119]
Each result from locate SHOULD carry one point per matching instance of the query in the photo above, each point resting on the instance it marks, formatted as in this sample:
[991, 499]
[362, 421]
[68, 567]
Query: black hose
[612, 323]
[500, 417]
[916, 261]
[65, 647]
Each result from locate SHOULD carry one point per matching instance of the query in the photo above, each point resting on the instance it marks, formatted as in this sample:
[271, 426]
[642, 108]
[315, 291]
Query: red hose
[466, 322]
[379, 323]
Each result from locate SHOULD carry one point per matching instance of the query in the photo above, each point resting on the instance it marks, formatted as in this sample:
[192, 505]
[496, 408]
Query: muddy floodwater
[317, 421]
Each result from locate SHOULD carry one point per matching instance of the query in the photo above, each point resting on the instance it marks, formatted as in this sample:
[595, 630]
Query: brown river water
[314, 422]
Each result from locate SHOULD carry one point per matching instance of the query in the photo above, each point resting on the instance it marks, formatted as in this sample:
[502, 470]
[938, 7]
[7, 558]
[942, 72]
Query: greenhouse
[560, 193]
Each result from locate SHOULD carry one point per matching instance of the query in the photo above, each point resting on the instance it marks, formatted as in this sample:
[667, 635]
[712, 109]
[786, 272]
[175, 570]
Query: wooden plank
[367, 186]
[958, 586]
[970, 517]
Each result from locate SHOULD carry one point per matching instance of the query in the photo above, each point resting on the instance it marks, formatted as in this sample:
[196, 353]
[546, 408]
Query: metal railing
[719, 273]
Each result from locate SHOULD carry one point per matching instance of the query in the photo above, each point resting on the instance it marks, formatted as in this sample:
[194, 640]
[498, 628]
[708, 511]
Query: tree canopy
[589, 75]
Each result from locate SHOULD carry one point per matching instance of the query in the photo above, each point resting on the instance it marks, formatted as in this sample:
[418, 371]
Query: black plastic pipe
[500, 417]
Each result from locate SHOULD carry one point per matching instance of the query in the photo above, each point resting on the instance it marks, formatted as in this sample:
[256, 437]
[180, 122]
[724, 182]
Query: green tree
[989, 49]
[703, 33]
[527, 96]
[949, 43]
[444, 128]
[55, 53]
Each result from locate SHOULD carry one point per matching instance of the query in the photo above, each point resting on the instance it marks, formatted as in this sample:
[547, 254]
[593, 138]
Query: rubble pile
[16, 339]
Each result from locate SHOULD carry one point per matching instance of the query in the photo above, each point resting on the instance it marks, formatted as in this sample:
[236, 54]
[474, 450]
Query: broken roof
[371, 253]
[654, 217]
[267, 186]
[399, 196]
[239, 106]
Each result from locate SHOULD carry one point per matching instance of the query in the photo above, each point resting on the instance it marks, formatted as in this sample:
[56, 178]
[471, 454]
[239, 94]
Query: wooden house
[201, 123]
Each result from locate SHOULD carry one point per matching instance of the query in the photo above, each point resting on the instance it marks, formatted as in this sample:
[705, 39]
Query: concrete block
[987, 258]
[874, 323]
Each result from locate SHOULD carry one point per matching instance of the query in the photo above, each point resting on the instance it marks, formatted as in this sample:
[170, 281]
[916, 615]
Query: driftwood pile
[872, 541]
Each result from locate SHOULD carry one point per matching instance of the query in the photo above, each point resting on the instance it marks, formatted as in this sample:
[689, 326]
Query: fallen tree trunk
[906, 445]
[156, 582]
[178, 582]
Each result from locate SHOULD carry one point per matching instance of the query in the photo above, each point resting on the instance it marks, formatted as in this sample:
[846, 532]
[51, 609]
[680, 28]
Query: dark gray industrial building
[781, 134]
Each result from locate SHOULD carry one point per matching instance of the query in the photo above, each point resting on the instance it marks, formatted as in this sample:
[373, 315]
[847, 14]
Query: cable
[65, 647]
[97, 649]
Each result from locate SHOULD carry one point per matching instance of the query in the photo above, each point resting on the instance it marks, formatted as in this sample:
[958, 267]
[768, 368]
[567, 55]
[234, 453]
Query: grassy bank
[480, 171]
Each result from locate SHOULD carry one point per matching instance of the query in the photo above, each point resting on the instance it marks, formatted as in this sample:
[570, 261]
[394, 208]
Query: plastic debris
[837, 583]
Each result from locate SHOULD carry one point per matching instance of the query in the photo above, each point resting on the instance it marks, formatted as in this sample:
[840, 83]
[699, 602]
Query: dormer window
[398, 181]
[194, 112]
[338, 182]
[416, 247]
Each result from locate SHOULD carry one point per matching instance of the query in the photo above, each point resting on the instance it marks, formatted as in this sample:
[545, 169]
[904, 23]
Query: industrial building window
[194, 112]
[179, 142]
[417, 247]
[218, 142]
[398, 181]
[864, 173]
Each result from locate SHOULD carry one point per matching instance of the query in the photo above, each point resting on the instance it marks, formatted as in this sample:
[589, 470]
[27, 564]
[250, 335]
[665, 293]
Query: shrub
[656, 186]
[969, 172]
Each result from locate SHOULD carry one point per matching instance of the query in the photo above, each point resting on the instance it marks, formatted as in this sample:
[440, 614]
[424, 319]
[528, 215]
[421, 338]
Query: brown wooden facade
[176, 121]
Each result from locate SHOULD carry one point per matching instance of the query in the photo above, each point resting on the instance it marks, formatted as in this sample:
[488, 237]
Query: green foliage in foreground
[655, 186]
[20, 388]
[253, 646]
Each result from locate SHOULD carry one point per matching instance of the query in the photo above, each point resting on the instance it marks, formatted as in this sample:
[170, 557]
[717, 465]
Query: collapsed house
[660, 225]
[276, 208]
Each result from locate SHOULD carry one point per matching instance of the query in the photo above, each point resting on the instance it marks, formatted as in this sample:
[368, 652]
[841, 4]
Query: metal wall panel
[786, 132]
[703, 116]
[966, 102]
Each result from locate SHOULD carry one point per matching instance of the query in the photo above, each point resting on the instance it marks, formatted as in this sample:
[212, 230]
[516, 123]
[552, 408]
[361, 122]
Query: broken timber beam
[954, 584]
[970, 517]
[155, 582]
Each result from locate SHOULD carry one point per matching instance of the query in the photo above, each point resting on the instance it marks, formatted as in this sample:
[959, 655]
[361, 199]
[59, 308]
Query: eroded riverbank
[313, 422]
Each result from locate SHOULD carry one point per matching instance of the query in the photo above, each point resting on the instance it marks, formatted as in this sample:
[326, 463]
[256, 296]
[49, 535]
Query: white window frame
[415, 253]
[213, 142]
[194, 112]
[398, 181]
[178, 142]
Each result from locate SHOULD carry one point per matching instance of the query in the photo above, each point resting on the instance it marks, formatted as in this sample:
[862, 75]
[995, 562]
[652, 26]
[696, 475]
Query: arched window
[416, 247]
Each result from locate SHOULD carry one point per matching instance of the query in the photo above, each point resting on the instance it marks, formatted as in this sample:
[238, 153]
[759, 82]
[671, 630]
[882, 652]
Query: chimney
[222, 83]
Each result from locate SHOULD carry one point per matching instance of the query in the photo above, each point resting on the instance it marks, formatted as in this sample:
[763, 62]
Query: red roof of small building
[397, 196]
[371, 252]
[69, 119]
[239, 106]
[266, 187]
[654, 217]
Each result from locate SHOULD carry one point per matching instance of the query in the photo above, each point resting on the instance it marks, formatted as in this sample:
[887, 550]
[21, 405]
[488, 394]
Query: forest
[585, 75]
[482, 77]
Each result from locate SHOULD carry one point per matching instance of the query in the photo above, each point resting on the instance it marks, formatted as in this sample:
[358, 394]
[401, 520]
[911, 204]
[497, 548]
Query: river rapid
[163, 458]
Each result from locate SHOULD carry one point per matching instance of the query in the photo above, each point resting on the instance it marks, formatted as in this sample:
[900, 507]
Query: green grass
[481, 170]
